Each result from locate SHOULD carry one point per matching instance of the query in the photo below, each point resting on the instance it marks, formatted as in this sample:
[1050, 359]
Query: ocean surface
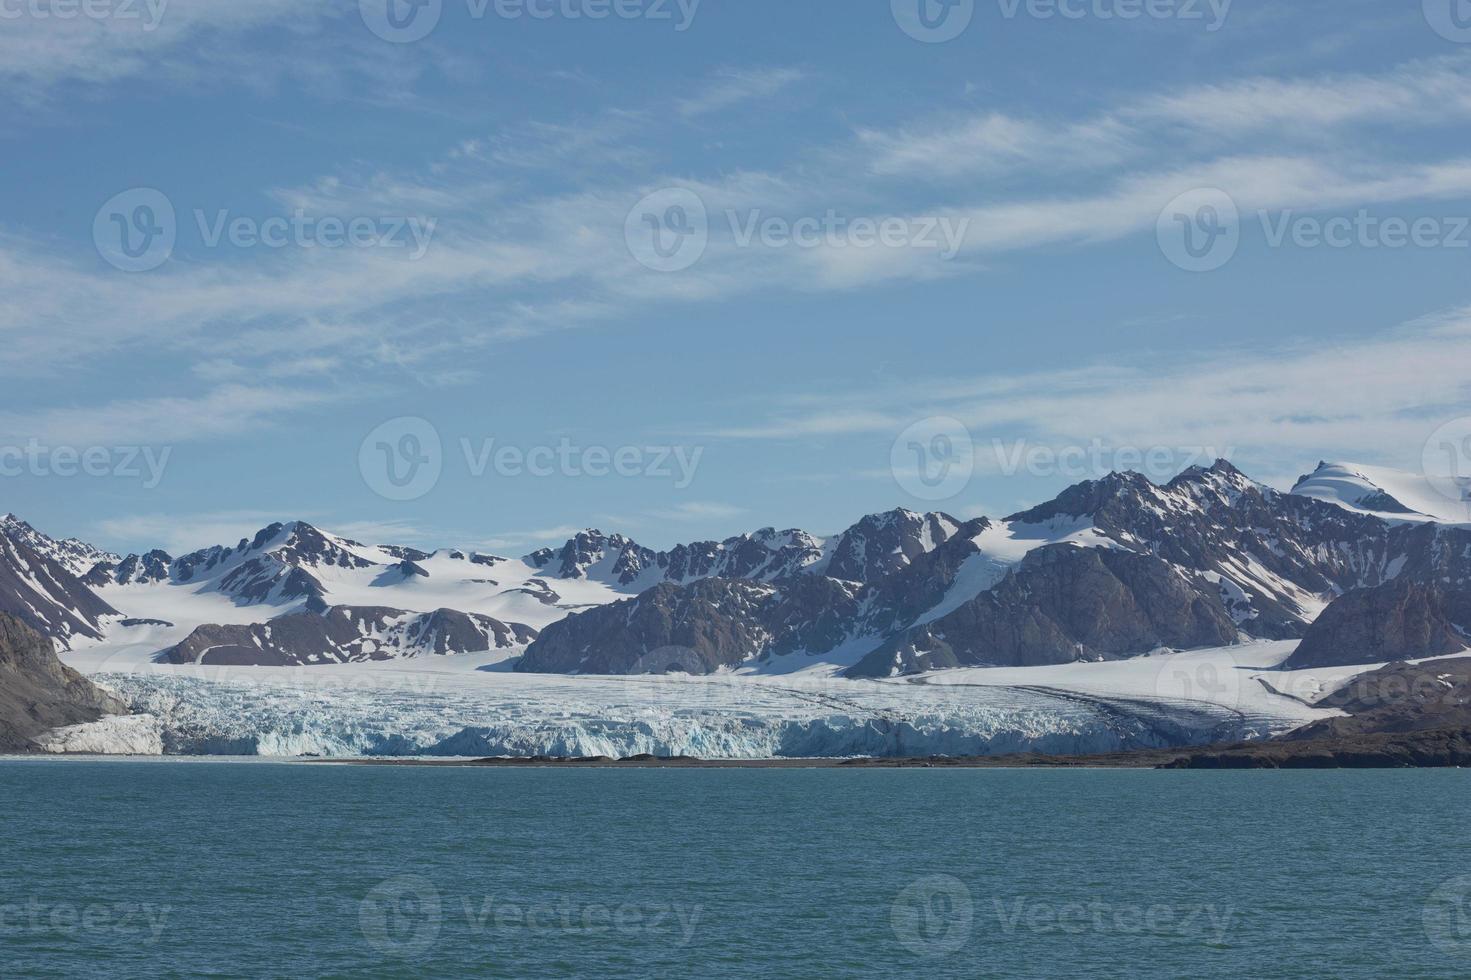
[220, 869]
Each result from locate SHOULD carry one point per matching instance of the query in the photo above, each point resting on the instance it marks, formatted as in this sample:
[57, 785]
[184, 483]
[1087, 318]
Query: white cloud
[1420, 92]
[1379, 397]
[1287, 110]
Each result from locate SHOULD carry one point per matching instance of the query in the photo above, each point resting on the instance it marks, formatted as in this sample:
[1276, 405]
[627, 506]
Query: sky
[479, 274]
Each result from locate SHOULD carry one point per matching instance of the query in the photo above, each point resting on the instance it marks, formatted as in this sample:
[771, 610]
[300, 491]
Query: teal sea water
[232, 869]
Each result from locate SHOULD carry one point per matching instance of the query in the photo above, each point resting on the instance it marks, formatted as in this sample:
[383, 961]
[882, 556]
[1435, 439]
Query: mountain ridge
[1109, 568]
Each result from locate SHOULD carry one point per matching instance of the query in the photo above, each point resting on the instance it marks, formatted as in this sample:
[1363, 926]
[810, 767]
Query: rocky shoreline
[1442, 748]
[38, 693]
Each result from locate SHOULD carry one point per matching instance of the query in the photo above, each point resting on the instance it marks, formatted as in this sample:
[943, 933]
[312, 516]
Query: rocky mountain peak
[1090, 498]
[77, 557]
[881, 544]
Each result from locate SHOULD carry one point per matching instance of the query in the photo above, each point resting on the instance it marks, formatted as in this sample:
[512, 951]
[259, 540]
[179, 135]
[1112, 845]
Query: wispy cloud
[954, 146]
[734, 86]
[1379, 396]
[181, 534]
[39, 52]
[507, 264]
[227, 410]
[697, 511]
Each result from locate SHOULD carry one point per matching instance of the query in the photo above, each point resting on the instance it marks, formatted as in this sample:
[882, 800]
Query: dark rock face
[37, 692]
[693, 629]
[804, 613]
[1065, 604]
[41, 593]
[882, 544]
[1280, 551]
[1399, 620]
[589, 548]
[1398, 698]
[408, 554]
[347, 634]
[876, 546]
[763, 556]
[144, 569]
[1440, 748]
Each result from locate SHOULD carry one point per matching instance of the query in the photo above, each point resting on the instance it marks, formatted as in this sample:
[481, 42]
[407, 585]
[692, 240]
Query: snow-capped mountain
[1385, 493]
[347, 634]
[77, 557]
[1109, 569]
[282, 563]
[876, 545]
[42, 593]
[291, 568]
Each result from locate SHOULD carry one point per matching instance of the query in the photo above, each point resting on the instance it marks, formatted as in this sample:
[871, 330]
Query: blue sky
[500, 170]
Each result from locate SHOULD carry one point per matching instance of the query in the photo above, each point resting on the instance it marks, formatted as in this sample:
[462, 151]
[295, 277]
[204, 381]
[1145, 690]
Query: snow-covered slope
[1388, 494]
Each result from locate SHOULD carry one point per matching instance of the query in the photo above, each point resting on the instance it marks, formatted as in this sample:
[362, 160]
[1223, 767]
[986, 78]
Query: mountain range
[1360, 565]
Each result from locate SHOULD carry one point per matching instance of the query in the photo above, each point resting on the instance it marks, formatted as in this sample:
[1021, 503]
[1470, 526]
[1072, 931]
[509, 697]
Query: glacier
[456, 707]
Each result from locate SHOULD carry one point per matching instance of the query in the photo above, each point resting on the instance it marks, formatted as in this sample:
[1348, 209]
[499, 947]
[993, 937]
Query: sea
[174, 868]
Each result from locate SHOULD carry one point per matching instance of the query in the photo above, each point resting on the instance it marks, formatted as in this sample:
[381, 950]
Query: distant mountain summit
[1385, 493]
[77, 557]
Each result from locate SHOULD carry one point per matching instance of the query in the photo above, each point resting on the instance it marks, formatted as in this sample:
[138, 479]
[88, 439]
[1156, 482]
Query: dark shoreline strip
[1438, 748]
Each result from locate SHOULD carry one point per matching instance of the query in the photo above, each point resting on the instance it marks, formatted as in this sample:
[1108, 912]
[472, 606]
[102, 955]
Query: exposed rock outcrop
[694, 629]
[1065, 604]
[38, 692]
[1400, 620]
[347, 634]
